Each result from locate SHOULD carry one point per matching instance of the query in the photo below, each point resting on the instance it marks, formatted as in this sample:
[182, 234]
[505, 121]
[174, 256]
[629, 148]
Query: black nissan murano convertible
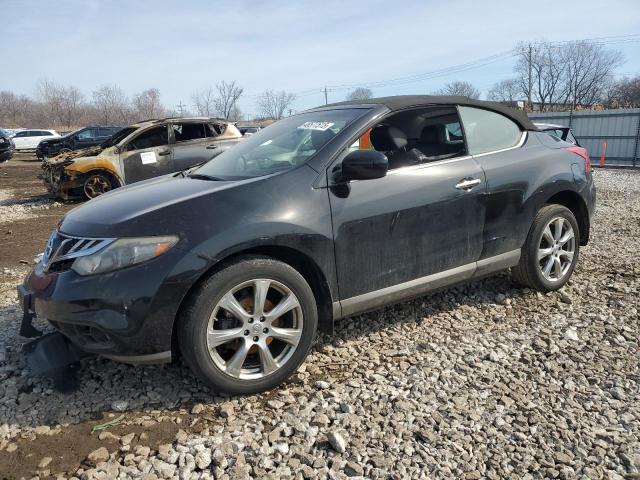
[341, 209]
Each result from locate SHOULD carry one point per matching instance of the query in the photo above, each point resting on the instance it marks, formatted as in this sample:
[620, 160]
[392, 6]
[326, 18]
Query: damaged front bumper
[60, 181]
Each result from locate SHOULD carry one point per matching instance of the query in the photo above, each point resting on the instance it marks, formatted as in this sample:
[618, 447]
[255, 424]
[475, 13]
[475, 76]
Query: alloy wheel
[556, 249]
[95, 185]
[254, 329]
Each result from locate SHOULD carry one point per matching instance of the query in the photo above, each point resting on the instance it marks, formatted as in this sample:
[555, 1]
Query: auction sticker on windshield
[322, 126]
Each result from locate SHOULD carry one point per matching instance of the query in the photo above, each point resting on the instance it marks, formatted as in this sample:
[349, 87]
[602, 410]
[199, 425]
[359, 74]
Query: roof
[405, 101]
[152, 121]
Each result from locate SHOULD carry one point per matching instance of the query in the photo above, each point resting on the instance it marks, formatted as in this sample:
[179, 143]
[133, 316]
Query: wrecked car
[138, 152]
[323, 215]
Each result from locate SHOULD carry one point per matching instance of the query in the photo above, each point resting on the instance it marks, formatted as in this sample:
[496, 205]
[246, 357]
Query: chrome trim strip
[420, 166]
[419, 286]
[151, 359]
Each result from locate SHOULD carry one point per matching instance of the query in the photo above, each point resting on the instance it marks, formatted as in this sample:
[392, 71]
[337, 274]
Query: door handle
[164, 153]
[211, 147]
[468, 183]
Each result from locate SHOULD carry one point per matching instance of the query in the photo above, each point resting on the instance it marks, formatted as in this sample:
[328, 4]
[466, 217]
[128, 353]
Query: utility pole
[530, 77]
[181, 108]
[325, 96]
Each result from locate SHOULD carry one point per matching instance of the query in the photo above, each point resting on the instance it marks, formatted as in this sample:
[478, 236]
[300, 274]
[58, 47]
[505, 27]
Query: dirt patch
[69, 446]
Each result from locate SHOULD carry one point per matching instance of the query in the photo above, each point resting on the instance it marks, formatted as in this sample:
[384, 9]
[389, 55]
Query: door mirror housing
[364, 165]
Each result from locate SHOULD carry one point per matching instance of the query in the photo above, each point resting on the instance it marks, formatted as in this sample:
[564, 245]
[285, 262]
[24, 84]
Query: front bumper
[59, 181]
[127, 315]
[6, 154]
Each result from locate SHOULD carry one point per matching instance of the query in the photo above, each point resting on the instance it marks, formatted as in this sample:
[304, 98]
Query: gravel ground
[485, 380]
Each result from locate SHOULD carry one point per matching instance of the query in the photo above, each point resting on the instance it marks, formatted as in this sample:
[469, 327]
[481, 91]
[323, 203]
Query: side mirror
[364, 165]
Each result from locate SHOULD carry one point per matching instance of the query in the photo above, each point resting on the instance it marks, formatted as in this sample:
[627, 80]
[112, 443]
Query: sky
[298, 46]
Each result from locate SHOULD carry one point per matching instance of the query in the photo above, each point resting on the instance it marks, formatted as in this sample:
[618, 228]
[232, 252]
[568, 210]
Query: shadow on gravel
[104, 385]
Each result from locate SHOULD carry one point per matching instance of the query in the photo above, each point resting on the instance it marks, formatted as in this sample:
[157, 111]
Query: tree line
[63, 107]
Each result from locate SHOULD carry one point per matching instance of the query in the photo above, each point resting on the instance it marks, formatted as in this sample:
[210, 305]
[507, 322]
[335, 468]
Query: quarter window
[488, 131]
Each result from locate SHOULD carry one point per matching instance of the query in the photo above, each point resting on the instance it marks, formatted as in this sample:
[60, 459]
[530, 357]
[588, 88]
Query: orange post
[364, 142]
[603, 155]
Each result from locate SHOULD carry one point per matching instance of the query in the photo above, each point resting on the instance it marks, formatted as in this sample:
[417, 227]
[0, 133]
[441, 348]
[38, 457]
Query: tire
[549, 257]
[213, 340]
[97, 183]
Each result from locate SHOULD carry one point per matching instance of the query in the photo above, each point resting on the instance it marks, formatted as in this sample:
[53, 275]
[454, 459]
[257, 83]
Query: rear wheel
[249, 326]
[550, 252]
[97, 183]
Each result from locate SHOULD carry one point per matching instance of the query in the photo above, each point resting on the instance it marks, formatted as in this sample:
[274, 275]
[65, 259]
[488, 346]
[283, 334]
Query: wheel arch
[304, 264]
[574, 202]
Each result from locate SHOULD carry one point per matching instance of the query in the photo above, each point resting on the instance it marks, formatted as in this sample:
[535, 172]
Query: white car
[29, 139]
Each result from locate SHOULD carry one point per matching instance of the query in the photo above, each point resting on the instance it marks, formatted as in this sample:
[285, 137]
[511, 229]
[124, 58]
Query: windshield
[282, 146]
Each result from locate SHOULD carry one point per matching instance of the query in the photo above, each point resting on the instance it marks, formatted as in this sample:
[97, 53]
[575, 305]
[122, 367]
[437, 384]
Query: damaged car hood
[83, 152]
[169, 204]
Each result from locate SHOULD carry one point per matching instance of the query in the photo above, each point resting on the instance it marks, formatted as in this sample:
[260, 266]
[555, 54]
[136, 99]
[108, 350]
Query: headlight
[123, 253]
[2, 140]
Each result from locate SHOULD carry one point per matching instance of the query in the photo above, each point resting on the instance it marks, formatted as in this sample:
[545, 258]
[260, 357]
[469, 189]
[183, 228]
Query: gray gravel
[485, 380]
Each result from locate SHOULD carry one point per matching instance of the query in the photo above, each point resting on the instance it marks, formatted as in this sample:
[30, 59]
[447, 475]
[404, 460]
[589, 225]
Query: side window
[36, 133]
[488, 131]
[453, 133]
[154, 137]
[105, 132]
[188, 131]
[85, 134]
[215, 129]
[22, 134]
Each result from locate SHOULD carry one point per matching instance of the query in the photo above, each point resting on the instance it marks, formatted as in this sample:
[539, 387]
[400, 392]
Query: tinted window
[154, 137]
[85, 134]
[188, 131]
[106, 132]
[22, 134]
[488, 131]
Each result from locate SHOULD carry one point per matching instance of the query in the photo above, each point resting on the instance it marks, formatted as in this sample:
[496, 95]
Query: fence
[614, 133]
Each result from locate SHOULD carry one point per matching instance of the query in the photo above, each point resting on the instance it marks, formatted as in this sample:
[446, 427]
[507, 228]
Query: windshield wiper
[202, 176]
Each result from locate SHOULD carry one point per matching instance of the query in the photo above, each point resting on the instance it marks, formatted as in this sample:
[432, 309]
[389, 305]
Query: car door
[189, 144]
[21, 139]
[218, 139]
[418, 224]
[499, 145]
[85, 138]
[146, 155]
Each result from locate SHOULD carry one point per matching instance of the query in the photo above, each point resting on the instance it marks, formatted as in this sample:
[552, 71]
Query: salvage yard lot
[483, 380]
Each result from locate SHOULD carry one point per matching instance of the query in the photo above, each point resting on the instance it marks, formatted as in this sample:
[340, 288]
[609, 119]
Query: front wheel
[96, 184]
[550, 252]
[249, 326]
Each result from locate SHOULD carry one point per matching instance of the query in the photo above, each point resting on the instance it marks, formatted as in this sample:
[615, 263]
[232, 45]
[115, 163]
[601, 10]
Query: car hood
[160, 206]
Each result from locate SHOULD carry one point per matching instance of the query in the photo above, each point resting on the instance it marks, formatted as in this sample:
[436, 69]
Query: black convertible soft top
[405, 101]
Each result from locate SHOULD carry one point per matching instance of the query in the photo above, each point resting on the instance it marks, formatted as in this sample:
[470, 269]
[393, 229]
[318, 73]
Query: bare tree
[73, 107]
[204, 101]
[147, 105]
[272, 104]
[567, 75]
[50, 95]
[540, 66]
[360, 93]
[624, 93]
[112, 105]
[589, 70]
[459, 88]
[506, 91]
[228, 95]
[15, 110]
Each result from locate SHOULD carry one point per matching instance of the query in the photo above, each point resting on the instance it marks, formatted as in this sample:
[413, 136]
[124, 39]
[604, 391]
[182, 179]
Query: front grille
[62, 249]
